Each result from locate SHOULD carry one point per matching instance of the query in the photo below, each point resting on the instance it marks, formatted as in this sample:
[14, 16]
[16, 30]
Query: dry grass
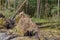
[49, 34]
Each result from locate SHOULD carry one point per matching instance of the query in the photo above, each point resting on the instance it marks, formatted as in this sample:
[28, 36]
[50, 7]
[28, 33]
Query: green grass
[7, 13]
[40, 20]
[45, 20]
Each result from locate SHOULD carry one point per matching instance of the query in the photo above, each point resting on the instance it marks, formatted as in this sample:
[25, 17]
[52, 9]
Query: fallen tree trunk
[39, 23]
[48, 25]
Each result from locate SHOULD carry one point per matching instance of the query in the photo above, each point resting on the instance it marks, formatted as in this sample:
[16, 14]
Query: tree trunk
[58, 8]
[27, 3]
[38, 9]
[46, 8]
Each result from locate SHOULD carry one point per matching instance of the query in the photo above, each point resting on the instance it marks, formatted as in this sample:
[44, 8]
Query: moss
[2, 21]
[19, 31]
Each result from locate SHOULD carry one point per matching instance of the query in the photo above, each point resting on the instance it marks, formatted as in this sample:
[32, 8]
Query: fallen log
[40, 23]
[48, 25]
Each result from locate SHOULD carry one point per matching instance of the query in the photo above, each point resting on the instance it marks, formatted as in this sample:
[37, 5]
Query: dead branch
[19, 9]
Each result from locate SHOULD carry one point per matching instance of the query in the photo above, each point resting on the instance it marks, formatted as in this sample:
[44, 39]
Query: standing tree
[38, 9]
[46, 8]
[2, 2]
[27, 3]
[58, 8]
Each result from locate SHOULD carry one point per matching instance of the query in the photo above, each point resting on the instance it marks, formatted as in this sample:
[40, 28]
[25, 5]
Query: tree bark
[46, 7]
[27, 3]
[58, 8]
[38, 9]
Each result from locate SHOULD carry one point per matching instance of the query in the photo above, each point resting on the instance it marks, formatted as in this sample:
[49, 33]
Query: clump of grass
[39, 20]
[7, 13]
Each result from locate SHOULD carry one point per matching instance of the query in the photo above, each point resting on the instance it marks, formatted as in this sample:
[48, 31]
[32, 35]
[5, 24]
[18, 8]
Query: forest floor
[44, 34]
[49, 33]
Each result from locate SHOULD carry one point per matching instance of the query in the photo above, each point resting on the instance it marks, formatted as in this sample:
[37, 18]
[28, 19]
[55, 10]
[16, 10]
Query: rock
[4, 36]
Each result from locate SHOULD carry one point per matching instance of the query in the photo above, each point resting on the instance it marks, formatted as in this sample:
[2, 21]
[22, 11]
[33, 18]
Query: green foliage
[52, 6]
[40, 20]
[8, 13]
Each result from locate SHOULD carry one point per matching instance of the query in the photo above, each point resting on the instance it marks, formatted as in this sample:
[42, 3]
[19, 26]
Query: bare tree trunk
[27, 3]
[38, 9]
[0, 4]
[46, 7]
[8, 3]
[58, 8]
